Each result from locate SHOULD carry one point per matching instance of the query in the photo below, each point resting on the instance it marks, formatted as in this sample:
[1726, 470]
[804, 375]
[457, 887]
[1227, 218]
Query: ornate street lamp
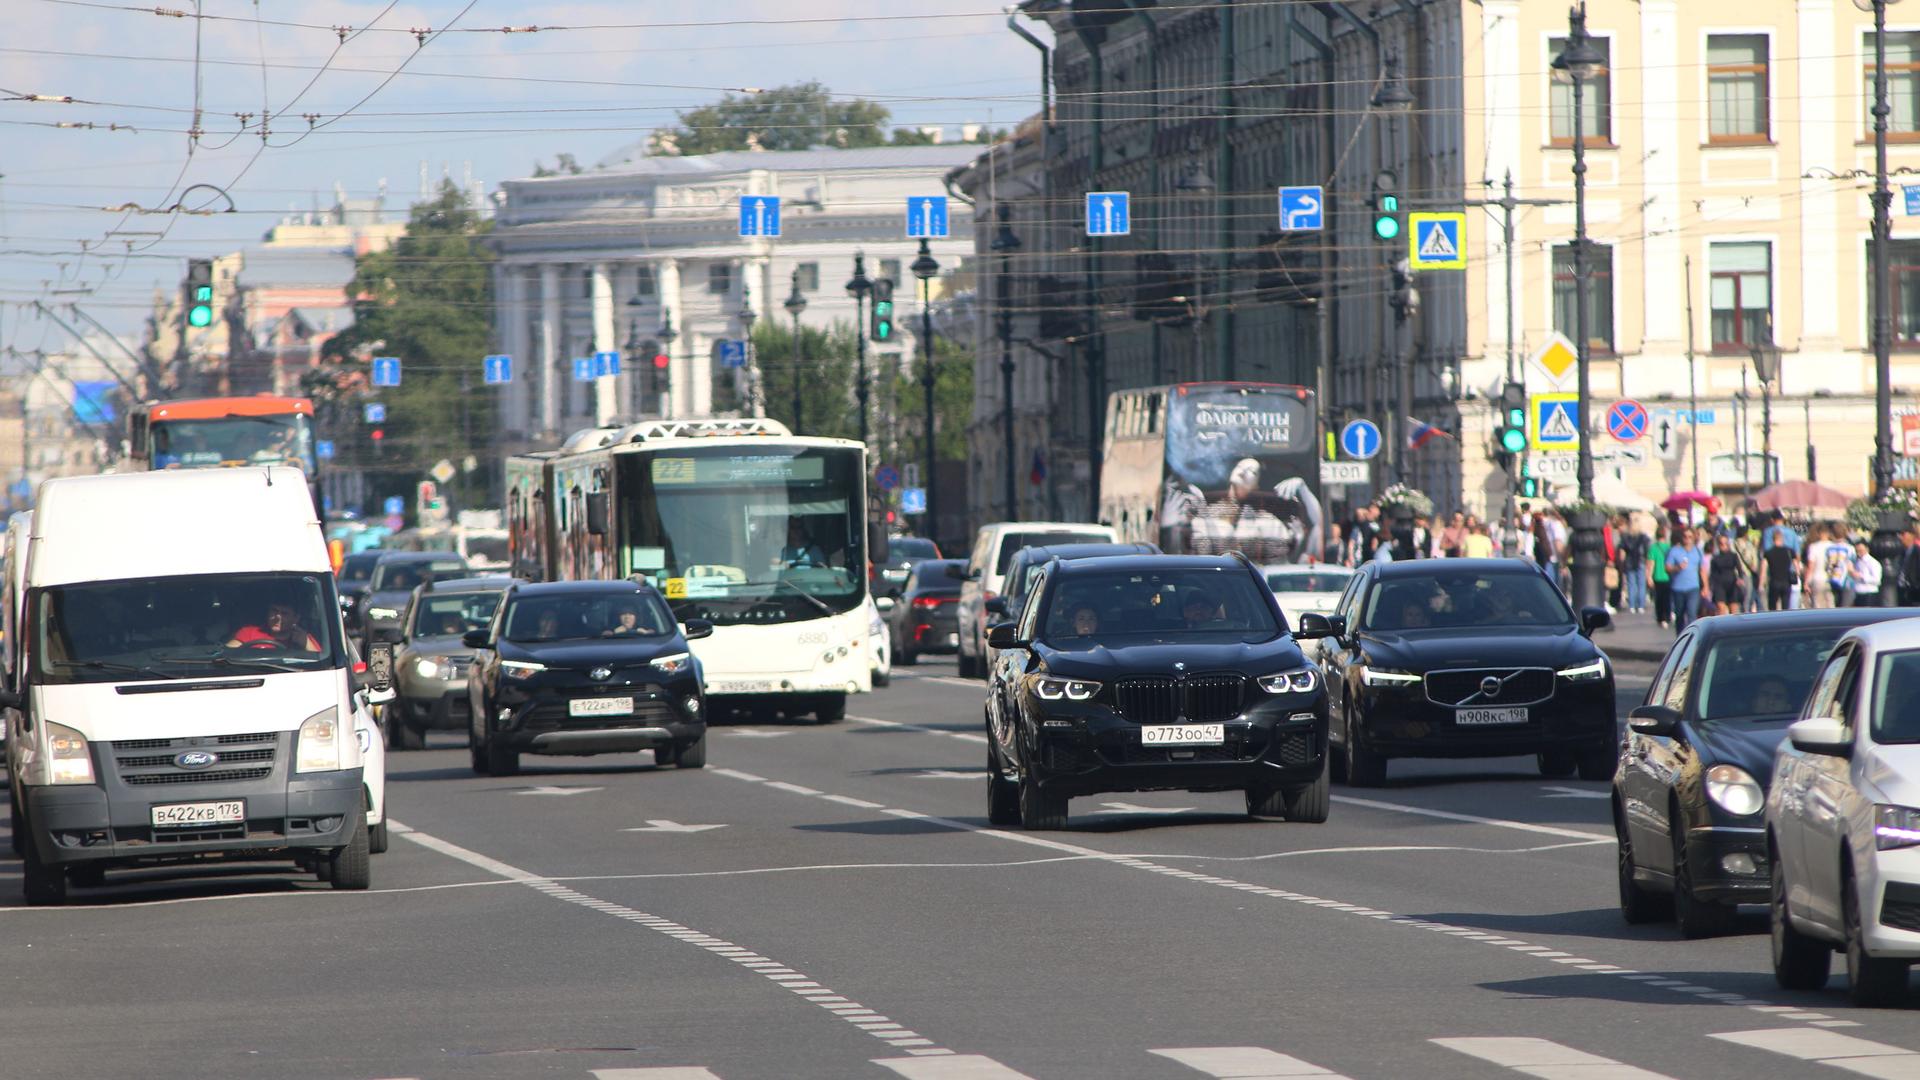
[1886, 534]
[747, 315]
[1766, 366]
[795, 304]
[924, 267]
[858, 287]
[1005, 244]
[666, 336]
[1580, 61]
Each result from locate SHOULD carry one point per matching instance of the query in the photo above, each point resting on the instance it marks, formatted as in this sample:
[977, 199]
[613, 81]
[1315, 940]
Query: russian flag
[1420, 433]
[1037, 474]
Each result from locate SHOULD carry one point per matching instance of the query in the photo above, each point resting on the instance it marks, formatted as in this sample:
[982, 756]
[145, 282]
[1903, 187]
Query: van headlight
[1589, 672]
[319, 742]
[1373, 676]
[673, 664]
[1297, 681]
[1734, 790]
[1052, 689]
[72, 761]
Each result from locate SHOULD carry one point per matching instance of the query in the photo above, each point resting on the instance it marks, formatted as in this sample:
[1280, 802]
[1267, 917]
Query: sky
[84, 210]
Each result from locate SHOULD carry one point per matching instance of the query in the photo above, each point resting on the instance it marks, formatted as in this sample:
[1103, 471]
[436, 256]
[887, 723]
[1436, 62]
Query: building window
[1742, 292]
[1596, 98]
[890, 268]
[809, 277]
[1599, 296]
[1737, 88]
[1903, 283]
[643, 281]
[1903, 85]
[720, 278]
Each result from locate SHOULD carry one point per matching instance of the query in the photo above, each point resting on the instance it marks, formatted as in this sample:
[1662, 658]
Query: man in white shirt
[1816, 585]
[1866, 577]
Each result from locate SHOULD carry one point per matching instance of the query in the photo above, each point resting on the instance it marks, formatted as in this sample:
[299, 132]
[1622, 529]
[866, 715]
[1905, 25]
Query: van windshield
[185, 627]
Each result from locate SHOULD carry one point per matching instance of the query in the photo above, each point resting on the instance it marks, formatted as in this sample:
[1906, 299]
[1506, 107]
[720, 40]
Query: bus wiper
[113, 665]
[798, 591]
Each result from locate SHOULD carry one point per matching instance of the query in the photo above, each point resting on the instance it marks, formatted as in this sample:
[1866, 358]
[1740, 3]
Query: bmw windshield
[1120, 608]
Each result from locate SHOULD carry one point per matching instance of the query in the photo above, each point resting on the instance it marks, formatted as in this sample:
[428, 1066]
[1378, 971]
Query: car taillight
[928, 603]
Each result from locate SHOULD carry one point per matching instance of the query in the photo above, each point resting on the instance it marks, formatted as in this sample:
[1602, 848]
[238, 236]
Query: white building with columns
[593, 262]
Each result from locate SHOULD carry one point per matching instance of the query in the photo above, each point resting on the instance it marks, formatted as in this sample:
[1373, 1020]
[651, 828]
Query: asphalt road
[829, 902]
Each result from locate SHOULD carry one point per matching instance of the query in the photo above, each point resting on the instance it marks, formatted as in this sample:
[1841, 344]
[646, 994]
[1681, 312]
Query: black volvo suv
[585, 667]
[1151, 673]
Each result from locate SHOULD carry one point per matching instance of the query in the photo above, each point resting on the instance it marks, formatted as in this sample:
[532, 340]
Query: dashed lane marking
[1546, 1059]
[1847, 1052]
[956, 1067]
[1244, 1062]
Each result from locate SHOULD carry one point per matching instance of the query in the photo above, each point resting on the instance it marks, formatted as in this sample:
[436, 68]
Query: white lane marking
[666, 1072]
[1244, 1062]
[795, 788]
[548, 789]
[1855, 1055]
[848, 800]
[767, 968]
[1574, 793]
[755, 733]
[1130, 808]
[1146, 863]
[737, 775]
[1472, 819]
[956, 1067]
[1546, 1059]
[964, 736]
[662, 825]
[951, 774]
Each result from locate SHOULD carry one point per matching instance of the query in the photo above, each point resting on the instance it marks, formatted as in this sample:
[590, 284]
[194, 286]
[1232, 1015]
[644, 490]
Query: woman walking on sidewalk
[1658, 577]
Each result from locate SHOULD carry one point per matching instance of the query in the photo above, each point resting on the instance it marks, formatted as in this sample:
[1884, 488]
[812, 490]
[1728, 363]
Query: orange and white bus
[226, 432]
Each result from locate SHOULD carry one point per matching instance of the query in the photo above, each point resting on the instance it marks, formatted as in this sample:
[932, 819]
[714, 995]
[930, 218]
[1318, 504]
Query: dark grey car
[431, 664]
[381, 605]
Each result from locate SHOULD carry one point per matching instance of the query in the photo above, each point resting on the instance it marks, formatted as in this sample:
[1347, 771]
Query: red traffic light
[660, 361]
[377, 434]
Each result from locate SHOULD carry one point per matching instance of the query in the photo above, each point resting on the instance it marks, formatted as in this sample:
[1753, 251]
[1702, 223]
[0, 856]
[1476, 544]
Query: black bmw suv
[585, 667]
[1152, 673]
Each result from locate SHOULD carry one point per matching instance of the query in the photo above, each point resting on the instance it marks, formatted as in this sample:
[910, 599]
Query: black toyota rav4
[1149, 673]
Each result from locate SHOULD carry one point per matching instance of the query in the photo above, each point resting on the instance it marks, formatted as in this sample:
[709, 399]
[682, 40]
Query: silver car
[431, 664]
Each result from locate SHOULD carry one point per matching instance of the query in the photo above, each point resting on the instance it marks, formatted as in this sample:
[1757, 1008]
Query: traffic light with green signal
[1510, 433]
[1386, 206]
[882, 329]
[199, 294]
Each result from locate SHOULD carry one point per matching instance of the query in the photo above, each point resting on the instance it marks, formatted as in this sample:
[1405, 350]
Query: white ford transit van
[183, 689]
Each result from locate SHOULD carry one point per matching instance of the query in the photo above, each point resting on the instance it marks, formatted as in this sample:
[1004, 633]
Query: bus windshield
[739, 535]
[234, 440]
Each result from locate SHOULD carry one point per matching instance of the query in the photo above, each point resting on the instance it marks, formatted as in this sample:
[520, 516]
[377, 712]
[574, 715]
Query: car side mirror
[10, 699]
[997, 605]
[884, 603]
[1594, 618]
[475, 639]
[1820, 735]
[1004, 635]
[1313, 625]
[695, 629]
[1654, 720]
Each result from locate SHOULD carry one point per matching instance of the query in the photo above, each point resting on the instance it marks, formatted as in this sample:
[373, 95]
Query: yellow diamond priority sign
[1556, 359]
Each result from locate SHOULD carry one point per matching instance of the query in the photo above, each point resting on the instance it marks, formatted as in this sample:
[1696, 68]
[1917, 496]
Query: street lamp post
[1886, 534]
[924, 267]
[666, 335]
[1005, 244]
[797, 303]
[635, 383]
[858, 287]
[756, 396]
[1581, 61]
[1766, 366]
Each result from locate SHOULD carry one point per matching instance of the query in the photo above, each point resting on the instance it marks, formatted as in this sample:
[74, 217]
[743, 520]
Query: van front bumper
[88, 823]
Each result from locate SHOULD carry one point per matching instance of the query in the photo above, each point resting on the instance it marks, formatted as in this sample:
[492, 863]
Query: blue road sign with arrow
[1360, 439]
[1109, 213]
[913, 500]
[1911, 193]
[386, 371]
[583, 369]
[927, 217]
[1302, 209]
[375, 413]
[759, 215]
[733, 353]
[394, 505]
[323, 449]
[497, 369]
[606, 363]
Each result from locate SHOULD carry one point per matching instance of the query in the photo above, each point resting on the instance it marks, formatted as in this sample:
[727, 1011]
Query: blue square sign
[1302, 209]
[927, 217]
[1911, 195]
[1109, 213]
[733, 353]
[323, 449]
[583, 369]
[386, 371]
[759, 215]
[606, 363]
[375, 412]
[497, 369]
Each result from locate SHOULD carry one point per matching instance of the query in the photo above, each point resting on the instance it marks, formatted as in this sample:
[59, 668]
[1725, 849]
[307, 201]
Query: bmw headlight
[1297, 681]
[673, 664]
[319, 742]
[1895, 827]
[1374, 676]
[520, 669]
[1589, 672]
[1051, 689]
[382, 613]
[1734, 790]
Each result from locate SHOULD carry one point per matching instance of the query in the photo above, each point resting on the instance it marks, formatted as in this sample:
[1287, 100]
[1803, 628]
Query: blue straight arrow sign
[606, 363]
[497, 369]
[927, 217]
[1109, 213]
[583, 369]
[759, 215]
[386, 371]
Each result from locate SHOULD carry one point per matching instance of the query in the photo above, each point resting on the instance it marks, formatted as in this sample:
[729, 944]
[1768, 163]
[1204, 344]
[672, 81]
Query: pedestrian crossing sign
[1437, 241]
[1553, 422]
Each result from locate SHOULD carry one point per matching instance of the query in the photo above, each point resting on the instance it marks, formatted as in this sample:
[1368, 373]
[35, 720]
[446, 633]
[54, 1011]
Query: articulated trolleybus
[739, 522]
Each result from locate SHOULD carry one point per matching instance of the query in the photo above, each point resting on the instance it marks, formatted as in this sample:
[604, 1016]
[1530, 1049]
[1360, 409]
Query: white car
[880, 639]
[1306, 587]
[1843, 820]
[373, 771]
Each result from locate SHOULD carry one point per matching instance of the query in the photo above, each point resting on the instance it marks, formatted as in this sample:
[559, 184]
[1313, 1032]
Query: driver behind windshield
[800, 551]
[1199, 609]
[278, 628]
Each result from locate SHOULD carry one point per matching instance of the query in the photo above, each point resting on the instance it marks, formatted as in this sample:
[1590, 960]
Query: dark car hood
[1107, 662]
[394, 598]
[440, 646]
[1477, 647]
[603, 652]
[1747, 743]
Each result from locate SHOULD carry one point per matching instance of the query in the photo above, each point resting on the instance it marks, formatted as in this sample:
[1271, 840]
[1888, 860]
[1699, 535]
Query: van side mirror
[597, 503]
[1004, 635]
[1820, 735]
[1654, 720]
[695, 629]
[475, 639]
[380, 665]
[380, 696]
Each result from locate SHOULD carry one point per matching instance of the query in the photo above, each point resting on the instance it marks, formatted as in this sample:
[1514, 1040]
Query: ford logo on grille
[600, 673]
[195, 759]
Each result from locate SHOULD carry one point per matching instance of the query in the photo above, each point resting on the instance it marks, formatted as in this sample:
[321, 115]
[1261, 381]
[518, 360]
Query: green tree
[952, 403]
[824, 375]
[427, 300]
[785, 118]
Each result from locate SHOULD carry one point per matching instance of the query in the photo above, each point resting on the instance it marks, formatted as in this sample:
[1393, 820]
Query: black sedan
[1690, 794]
[1152, 673]
[926, 618]
[1456, 658]
[585, 667]
[903, 554]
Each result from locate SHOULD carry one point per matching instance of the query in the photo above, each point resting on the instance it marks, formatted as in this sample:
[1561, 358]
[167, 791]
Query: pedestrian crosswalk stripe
[1855, 1055]
[951, 1067]
[669, 1072]
[1546, 1059]
[1245, 1062]
[1438, 245]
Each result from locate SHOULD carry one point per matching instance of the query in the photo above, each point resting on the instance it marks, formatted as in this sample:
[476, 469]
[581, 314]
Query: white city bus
[760, 532]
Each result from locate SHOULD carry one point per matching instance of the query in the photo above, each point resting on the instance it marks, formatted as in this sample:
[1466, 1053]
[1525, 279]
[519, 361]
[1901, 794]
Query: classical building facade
[598, 261]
